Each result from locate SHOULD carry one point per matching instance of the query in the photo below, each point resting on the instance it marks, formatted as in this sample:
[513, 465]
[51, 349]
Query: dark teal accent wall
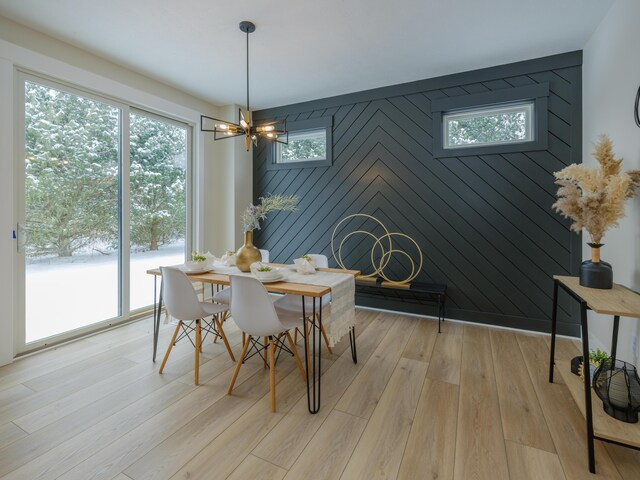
[484, 221]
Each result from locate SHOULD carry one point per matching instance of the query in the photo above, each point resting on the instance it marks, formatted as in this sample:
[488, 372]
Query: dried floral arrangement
[254, 214]
[594, 197]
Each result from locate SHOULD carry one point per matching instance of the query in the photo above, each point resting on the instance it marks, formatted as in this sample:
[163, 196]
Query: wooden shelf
[618, 300]
[604, 426]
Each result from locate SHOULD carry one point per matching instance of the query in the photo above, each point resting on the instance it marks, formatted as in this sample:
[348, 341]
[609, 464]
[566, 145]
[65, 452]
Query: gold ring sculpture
[386, 253]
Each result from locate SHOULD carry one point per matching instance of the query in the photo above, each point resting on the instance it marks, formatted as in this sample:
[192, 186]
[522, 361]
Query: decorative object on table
[618, 386]
[251, 218]
[596, 358]
[229, 258]
[594, 199]
[305, 265]
[266, 273]
[275, 131]
[199, 263]
[383, 245]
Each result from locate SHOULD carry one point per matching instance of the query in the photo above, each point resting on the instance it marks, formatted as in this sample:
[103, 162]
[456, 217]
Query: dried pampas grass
[594, 198]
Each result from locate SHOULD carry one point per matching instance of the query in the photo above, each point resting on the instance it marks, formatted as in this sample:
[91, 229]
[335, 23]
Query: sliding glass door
[159, 152]
[103, 198]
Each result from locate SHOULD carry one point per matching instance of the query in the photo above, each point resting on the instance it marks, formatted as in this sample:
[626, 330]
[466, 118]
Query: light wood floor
[470, 403]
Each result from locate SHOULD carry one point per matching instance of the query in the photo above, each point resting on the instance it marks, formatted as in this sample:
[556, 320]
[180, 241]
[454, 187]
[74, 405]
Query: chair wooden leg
[224, 338]
[215, 337]
[295, 336]
[197, 356]
[244, 338]
[235, 374]
[272, 372]
[201, 342]
[266, 352]
[295, 355]
[173, 340]
[324, 335]
[225, 315]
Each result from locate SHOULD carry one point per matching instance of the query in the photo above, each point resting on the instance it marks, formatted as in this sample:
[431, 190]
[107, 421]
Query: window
[309, 145]
[493, 122]
[303, 146]
[489, 126]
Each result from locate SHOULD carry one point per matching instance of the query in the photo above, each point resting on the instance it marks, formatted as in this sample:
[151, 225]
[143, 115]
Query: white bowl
[192, 266]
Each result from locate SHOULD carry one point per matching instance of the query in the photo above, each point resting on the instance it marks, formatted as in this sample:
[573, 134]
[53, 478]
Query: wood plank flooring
[469, 403]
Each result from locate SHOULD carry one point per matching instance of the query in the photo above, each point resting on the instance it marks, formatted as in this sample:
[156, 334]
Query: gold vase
[247, 254]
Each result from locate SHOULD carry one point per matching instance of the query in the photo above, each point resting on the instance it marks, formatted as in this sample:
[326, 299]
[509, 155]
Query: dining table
[313, 330]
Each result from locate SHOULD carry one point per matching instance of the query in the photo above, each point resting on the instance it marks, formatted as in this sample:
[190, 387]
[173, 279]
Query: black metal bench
[417, 293]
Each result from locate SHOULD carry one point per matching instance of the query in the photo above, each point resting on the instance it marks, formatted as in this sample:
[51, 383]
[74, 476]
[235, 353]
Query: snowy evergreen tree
[158, 182]
[72, 175]
[71, 184]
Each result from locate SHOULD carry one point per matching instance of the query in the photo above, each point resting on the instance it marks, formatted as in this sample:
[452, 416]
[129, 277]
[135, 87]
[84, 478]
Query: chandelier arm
[224, 137]
[203, 129]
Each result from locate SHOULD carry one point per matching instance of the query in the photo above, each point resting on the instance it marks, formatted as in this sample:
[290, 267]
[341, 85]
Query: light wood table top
[619, 300]
[303, 289]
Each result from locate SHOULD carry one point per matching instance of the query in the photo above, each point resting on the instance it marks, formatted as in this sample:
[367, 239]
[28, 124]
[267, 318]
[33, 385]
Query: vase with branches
[251, 218]
[594, 199]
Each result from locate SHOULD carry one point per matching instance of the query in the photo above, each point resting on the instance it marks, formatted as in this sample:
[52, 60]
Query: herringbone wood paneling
[484, 222]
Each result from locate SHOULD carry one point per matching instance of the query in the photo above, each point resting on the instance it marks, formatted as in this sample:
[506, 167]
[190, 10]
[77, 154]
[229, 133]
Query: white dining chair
[255, 315]
[223, 296]
[293, 303]
[181, 301]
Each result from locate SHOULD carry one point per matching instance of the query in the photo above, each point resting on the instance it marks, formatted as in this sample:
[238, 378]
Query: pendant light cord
[247, 71]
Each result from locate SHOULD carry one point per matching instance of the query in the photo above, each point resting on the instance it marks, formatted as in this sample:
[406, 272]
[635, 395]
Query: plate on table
[195, 269]
[268, 277]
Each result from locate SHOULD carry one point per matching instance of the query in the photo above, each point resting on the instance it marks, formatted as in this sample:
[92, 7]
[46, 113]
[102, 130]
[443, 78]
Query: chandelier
[275, 131]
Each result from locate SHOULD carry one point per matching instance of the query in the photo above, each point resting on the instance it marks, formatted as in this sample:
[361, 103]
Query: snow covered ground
[63, 294]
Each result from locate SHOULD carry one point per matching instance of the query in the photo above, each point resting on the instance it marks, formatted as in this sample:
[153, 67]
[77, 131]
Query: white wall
[216, 166]
[611, 76]
[230, 190]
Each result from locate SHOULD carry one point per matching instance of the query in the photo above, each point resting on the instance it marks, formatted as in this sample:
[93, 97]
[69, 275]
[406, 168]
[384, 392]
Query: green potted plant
[596, 358]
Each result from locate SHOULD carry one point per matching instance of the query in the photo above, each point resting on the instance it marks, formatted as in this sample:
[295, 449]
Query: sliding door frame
[124, 228]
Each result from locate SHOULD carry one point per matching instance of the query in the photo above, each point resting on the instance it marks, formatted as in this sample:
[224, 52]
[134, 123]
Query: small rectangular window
[303, 146]
[496, 125]
[309, 145]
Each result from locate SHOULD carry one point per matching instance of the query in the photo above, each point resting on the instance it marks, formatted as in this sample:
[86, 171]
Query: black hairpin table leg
[313, 337]
[352, 343]
[157, 313]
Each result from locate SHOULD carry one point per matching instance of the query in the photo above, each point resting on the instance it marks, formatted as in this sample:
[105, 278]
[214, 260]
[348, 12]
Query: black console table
[417, 292]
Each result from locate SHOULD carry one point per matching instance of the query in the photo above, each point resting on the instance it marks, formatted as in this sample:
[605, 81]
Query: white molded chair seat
[256, 315]
[224, 296]
[182, 303]
[294, 303]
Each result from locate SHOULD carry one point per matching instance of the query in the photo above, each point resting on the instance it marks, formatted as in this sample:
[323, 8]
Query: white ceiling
[308, 49]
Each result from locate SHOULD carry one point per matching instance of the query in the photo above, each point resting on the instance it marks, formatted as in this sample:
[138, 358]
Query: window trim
[537, 93]
[311, 124]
